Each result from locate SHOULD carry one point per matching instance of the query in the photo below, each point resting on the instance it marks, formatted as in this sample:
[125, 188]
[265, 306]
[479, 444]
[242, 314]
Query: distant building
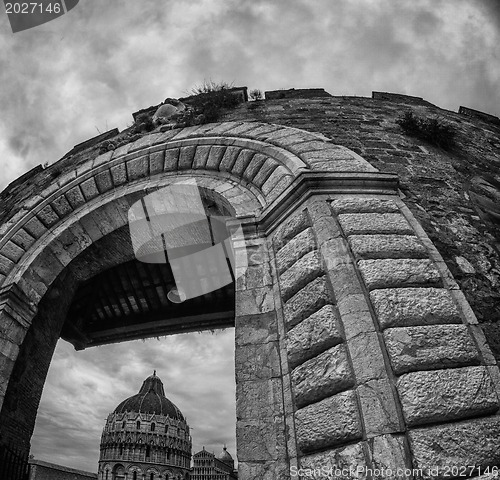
[146, 438]
[206, 466]
[40, 470]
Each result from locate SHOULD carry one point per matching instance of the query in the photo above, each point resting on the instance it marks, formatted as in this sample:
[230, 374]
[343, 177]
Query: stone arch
[322, 226]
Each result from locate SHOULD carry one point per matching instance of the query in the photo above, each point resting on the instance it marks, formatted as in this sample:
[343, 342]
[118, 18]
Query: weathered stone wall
[383, 350]
[454, 195]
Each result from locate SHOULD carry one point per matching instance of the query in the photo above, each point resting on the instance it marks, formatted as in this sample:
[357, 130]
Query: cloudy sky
[86, 72]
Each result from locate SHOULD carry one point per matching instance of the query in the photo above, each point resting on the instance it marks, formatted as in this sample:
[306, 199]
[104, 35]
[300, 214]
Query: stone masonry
[355, 345]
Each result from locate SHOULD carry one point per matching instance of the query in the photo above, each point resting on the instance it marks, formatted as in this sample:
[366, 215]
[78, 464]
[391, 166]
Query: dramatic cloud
[86, 72]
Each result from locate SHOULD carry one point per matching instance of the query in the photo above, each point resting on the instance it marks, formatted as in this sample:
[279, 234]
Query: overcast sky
[86, 72]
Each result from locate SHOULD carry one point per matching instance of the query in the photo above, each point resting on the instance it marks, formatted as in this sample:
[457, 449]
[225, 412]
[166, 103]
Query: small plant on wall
[210, 99]
[429, 129]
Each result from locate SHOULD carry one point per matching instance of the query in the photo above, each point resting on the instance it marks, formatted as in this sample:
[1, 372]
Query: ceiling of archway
[131, 301]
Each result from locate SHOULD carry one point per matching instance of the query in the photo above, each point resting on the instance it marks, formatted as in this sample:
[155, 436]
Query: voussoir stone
[430, 347]
[387, 246]
[399, 307]
[300, 274]
[296, 248]
[322, 376]
[389, 273]
[306, 301]
[312, 336]
[364, 205]
[366, 223]
[451, 394]
[474, 442]
[332, 421]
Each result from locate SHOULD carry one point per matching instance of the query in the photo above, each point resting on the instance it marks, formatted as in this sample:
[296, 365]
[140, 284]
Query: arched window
[121, 448]
[152, 427]
[123, 424]
[138, 425]
[148, 451]
[135, 475]
[107, 473]
[166, 428]
[152, 476]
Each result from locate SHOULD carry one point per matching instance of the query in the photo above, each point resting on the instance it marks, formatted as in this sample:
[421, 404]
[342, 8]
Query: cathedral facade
[146, 437]
[206, 466]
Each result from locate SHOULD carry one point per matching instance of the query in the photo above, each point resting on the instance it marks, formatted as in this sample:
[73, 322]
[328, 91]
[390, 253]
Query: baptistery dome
[146, 437]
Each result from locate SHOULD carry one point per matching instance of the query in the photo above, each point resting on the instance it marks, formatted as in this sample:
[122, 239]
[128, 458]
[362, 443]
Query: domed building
[146, 437]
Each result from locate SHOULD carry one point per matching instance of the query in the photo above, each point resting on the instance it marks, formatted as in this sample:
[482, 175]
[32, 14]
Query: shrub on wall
[429, 129]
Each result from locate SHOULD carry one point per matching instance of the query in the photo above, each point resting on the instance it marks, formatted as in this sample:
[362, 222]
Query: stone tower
[145, 438]
[365, 301]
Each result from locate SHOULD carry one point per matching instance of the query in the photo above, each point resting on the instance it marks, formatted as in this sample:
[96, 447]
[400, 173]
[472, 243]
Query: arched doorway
[323, 235]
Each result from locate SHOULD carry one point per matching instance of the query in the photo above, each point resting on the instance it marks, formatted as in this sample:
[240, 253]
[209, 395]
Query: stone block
[366, 223]
[444, 395]
[387, 246]
[388, 452]
[326, 229]
[61, 206]
[253, 276]
[335, 252]
[186, 157]
[257, 440]
[242, 162]
[171, 159]
[48, 216]
[254, 301]
[378, 407]
[254, 329]
[296, 248]
[306, 301]
[278, 179]
[138, 168]
[229, 159]
[259, 400]
[400, 307]
[12, 251]
[366, 356]
[290, 229]
[389, 273]
[215, 157]
[263, 470]
[364, 205]
[119, 174]
[345, 281]
[475, 442]
[330, 422]
[301, 273]
[355, 314]
[322, 376]
[257, 362]
[35, 227]
[253, 167]
[103, 181]
[430, 347]
[75, 197]
[265, 171]
[89, 189]
[312, 336]
[156, 161]
[345, 463]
